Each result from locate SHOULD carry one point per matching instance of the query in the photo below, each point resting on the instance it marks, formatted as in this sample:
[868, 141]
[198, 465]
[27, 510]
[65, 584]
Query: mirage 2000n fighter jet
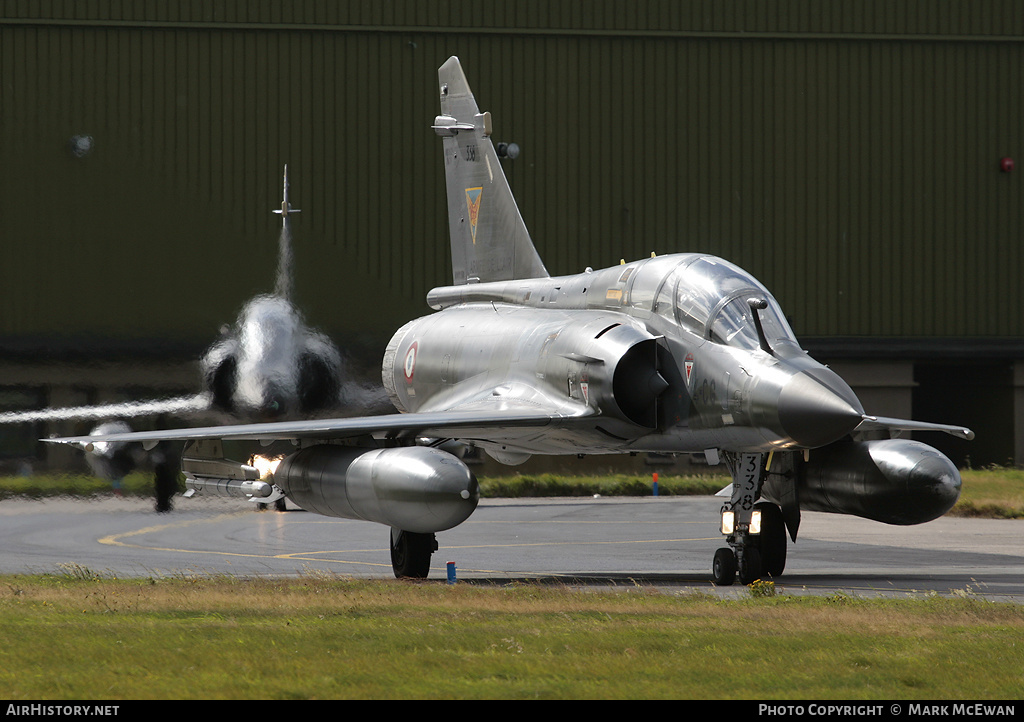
[671, 354]
[268, 366]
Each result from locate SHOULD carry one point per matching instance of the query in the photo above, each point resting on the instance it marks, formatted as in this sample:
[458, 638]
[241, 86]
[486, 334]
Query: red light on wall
[1006, 165]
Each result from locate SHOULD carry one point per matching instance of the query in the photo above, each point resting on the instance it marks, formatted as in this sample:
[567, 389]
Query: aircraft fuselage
[661, 354]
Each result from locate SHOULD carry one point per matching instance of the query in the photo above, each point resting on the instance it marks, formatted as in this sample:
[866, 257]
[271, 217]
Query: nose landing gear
[755, 530]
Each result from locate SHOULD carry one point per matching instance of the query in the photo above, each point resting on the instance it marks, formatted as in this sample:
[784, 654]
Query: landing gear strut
[755, 531]
[411, 552]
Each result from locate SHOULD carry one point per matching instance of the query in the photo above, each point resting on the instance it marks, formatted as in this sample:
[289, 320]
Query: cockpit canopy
[711, 297]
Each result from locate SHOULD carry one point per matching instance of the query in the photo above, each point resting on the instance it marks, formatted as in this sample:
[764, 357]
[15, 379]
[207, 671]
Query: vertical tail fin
[283, 282]
[489, 240]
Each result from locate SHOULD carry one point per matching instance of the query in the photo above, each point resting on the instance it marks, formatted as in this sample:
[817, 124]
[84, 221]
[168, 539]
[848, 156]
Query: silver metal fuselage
[661, 355]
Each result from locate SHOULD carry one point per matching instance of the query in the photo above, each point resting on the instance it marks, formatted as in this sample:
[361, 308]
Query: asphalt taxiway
[666, 542]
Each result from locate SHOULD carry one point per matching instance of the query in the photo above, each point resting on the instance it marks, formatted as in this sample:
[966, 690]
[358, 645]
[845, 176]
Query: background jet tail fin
[489, 240]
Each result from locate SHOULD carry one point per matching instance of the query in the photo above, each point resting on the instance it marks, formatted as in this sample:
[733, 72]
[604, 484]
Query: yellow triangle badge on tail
[473, 196]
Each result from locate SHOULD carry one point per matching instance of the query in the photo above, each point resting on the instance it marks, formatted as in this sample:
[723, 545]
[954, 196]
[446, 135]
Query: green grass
[41, 486]
[84, 636]
[533, 485]
[996, 492]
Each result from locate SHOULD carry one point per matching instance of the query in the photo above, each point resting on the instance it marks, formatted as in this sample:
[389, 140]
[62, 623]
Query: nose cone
[817, 410]
[273, 404]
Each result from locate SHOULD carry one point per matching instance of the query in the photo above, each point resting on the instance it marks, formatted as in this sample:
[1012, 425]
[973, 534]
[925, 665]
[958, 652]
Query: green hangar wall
[849, 155]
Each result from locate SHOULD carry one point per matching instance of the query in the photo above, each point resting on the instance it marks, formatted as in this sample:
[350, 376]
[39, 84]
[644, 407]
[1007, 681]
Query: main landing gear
[411, 552]
[755, 530]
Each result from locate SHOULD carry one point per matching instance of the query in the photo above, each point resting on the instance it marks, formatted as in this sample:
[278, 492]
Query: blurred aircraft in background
[268, 366]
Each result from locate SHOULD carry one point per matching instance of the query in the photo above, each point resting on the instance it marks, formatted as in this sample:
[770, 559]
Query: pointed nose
[816, 410]
[274, 405]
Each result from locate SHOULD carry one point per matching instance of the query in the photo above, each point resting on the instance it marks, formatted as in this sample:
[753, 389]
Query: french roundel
[410, 361]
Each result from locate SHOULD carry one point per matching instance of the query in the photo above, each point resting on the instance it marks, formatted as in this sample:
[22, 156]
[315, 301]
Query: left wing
[882, 423]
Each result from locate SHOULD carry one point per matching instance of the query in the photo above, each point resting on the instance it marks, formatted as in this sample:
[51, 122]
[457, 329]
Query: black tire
[750, 565]
[165, 485]
[410, 554]
[222, 381]
[773, 540]
[723, 568]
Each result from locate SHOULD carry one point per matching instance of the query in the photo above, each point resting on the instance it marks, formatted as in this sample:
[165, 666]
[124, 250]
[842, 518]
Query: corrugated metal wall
[847, 154]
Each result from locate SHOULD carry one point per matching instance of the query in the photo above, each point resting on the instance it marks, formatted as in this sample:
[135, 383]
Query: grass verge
[43, 486]
[85, 636]
[995, 493]
[534, 485]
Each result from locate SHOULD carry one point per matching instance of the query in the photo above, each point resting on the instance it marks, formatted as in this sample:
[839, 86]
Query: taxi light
[728, 522]
[266, 465]
[755, 521]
